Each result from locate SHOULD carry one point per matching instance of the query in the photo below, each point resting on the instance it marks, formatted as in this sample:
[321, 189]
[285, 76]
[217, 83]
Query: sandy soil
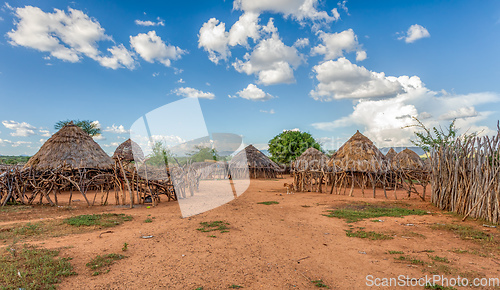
[279, 246]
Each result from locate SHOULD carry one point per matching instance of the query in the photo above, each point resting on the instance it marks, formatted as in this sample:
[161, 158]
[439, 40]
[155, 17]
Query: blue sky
[259, 67]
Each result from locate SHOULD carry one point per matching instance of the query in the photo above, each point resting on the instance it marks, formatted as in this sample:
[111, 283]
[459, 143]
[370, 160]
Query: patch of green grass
[105, 220]
[411, 234]
[368, 235]
[354, 213]
[410, 260]
[464, 232]
[428, 251]
[212, 236]
[214, 226]
[14, 208]
[439, 259]
[148, 220]
[396, 252]
[234, 286]
[473, 252]
[268, 202]
[30, 267]
[101, 264]
[29, 229]
[319, 284]
[125, 247]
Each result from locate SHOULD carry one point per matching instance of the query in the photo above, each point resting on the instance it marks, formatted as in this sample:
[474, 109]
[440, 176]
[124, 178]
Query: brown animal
[289, 188]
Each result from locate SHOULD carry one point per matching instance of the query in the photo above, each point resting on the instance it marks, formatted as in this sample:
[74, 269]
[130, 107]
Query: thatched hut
[358, 154]
[391, 154]
[129, 151]
[357, 162]
[309, 170]
[254, 162]
[410, 170]
[407, 160]
[311, 159]
[70, 148]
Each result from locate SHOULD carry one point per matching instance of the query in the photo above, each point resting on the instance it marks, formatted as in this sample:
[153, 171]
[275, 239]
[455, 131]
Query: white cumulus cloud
[334, 45]
[253, 93]
[160, 22]
[117, 129]
[193, 93]
[65, 35]
[301, 42]
[464, 112]
[120, 57]
[213, 38]
[414, 33]
[341, 79]
[44, 133]
[298, 9]
[271, 61]
[382, 120]
[21, 129]
[152, 48]
[246, 27]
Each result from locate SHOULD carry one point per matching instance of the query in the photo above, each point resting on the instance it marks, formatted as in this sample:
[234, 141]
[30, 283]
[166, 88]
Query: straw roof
[358, 154]
[254, 159]
[407, 160]
[390, 155]
[129, 151]
[311, 159]
[70, 147]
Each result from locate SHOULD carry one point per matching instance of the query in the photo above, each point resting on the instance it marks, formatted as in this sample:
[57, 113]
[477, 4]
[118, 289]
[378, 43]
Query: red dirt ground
[279, 246]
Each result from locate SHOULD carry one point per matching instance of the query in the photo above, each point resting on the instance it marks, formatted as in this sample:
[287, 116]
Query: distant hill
[417, 150]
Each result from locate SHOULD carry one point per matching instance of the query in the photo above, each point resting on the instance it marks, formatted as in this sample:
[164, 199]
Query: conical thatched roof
[407, 160]
[358, 154]
[129, 151]
[390, 155]
[70, 147]
[311, 159]
[254, 159]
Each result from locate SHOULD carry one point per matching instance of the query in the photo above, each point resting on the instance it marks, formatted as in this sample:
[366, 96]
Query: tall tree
[289, 145]
[90, 127]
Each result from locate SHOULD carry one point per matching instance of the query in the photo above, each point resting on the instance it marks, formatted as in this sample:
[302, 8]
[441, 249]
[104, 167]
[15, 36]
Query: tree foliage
[88, 126]
[203, 153]
[160, 155]
[434, 138]
[289, 145]
[13, 160]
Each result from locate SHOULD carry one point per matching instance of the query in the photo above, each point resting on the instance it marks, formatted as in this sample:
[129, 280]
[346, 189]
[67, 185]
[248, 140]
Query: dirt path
[279, 246]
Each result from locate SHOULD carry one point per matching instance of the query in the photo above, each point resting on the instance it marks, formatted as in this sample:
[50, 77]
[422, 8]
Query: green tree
[204, 153]
[88, 126]
[160, 155]
[434, 138]
[289, 145]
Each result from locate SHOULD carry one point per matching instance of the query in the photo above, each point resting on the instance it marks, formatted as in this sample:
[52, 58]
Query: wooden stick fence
[466, 178]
